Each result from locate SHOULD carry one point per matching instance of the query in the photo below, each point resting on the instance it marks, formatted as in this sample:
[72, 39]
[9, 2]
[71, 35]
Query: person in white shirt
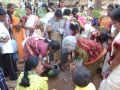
[40, 3]
[22, 4]
[61, 5]
[90, 4]
[6, 48]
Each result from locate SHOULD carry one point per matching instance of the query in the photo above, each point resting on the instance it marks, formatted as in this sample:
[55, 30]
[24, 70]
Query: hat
[1, 4]
[2, 12]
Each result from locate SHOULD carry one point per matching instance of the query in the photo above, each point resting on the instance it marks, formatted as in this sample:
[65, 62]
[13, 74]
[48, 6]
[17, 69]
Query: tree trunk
[98, 4]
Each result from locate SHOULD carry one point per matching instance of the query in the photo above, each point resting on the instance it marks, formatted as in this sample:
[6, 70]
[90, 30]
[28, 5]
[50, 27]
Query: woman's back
[36, 82]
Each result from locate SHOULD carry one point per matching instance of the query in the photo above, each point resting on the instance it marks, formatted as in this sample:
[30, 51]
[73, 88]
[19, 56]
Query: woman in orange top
[18, 35]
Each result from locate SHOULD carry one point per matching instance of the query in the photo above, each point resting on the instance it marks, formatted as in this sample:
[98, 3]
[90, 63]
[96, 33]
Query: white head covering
[69, 42]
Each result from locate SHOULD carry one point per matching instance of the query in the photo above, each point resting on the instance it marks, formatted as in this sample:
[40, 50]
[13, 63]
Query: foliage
[41, 12]
[96, 13]
[84, 14]
[20, 13]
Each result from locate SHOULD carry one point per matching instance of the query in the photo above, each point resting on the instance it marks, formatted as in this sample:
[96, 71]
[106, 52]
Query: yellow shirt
[36, 83]
[90, 86]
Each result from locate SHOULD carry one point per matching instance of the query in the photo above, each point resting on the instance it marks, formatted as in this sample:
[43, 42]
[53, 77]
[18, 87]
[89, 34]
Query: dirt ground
[62, 82]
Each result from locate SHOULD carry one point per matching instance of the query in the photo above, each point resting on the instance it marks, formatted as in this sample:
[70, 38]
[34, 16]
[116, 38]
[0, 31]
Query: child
[82, 9]
[30, 79]
[14, 45]
[81, 78]
[90, 11]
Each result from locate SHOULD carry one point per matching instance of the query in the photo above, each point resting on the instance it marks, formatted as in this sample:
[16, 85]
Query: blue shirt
[14, 45]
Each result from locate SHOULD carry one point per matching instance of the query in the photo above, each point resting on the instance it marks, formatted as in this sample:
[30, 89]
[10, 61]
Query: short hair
[90, 8]
[75, 10]
[116, 15]
[67, 12]
[111, 6]
[54, 45]
[81, 76]
[29, 7]
[58, 13]
[51, 4]
[82, 7]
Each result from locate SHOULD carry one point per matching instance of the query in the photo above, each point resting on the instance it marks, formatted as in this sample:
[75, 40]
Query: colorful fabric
[33, 47]
[105, 22]
[36, 82]
[112, 82]
[18, 36]
[90, 86]
[89, 50]
[82, 19]
[30, 22]
[8, 21]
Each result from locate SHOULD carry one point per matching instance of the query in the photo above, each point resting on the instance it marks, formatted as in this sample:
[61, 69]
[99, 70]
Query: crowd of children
[61, 35]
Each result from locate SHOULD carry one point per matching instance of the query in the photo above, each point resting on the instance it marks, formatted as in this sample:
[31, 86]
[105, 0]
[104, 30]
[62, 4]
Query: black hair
[81, 76]
[102, 37]
[90, 8]
[67, 12]
[1, 4]
[9, 5]
[31, 63]
[82, 7]
[29, 7]
[51, 4]
[75, 26]
[59, 3]
[58, 13]
[76, 4]
[111, 6]
[46, 7]
[54, 45]
[116, 15]
[75, 10]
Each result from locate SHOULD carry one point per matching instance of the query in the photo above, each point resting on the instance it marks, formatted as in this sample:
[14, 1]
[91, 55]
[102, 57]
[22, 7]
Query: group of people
[64, 36]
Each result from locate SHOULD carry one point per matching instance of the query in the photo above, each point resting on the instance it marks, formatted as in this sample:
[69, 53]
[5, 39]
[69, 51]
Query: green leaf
[20, 13]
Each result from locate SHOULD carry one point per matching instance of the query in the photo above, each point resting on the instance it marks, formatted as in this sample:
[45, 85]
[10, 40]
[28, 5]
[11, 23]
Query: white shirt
[6, 47]
[90, 4]
[40, 4]
[62, 9]
[22, 5]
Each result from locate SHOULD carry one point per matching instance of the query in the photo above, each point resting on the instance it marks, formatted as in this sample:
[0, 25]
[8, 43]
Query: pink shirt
[42, 47]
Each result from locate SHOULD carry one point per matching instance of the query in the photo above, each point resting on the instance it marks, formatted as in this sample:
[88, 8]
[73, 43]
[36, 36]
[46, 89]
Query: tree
[98, 4]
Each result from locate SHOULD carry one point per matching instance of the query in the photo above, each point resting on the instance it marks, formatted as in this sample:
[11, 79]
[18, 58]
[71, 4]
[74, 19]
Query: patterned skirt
[57, 37]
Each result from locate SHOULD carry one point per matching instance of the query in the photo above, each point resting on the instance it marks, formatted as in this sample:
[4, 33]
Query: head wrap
[69, 42]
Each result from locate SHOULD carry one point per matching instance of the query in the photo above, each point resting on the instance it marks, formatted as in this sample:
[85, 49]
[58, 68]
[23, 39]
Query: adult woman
[29, 22]
[105, 20]
[18, 35]
[90, 51]
[34, 46]
[112, 82]
[56, 29]
[30, 79]
[61, 5]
